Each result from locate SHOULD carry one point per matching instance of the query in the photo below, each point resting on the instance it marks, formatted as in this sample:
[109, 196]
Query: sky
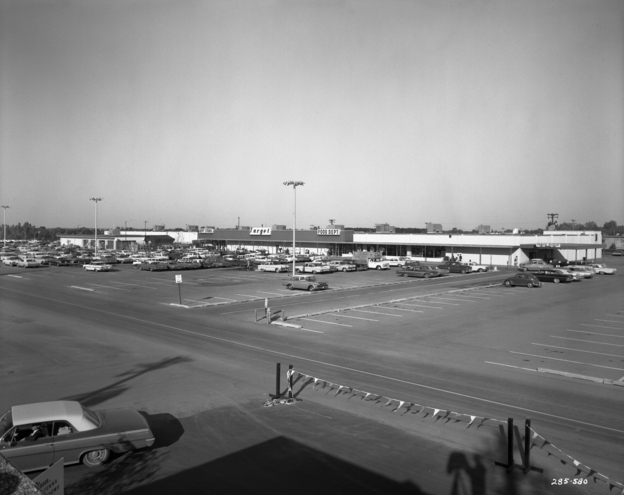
[176, 112]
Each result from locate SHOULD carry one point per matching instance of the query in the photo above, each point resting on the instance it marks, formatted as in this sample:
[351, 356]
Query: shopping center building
[493, 249]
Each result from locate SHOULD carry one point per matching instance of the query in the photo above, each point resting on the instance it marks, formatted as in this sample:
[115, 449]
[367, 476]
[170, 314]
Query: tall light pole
[4, 223]
[145, 236]
[294, 183]
[97, 200]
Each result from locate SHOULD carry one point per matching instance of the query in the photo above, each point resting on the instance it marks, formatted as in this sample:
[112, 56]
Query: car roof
[52, 411]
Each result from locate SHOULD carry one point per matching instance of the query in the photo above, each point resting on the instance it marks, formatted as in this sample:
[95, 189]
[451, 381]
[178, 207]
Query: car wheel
[344, 270]
[556, 281]
[96, 458]
[276, 270]
[462, 271]
[151, 269]
[314, 271]
[310, 288]
[297, 270]
[289, 287]
[507, 283]
[479, 270]
[378, 267]
[426, 275]
[529, 285]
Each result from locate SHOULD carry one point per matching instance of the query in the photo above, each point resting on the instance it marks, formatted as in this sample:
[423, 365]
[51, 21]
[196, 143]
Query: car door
[69, 443]
[27, 450]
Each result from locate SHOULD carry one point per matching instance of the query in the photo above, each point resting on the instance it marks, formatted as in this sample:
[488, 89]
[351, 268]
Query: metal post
[527, 446]
[180, 293]
[290, 381]
[4, 208]
[277, 380]
[510, 431]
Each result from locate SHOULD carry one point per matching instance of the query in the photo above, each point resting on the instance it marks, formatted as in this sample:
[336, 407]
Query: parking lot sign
[178, 279]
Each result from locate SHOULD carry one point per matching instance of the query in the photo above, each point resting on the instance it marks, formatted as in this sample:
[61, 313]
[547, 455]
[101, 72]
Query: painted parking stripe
[225, 298]
[619, 316]
[247, 295]
[578, 350]
[109, 287]
[404, 309]
[274, 293]
[476, 297]
[610, 321]
[328, 322]
[596, 333]
[510, 366]
[135, 285]
[419, 305]
[155, 283]
[15, 276]
[598, 326]
[442, 302]
[499, 294]
[376, 313]
[449, 298]
[566, 361]
[588, 341]
[355, 317]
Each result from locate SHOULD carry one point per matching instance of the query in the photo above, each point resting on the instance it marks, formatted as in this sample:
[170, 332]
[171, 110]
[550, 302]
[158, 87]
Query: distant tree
[591, 225]
[610, 227]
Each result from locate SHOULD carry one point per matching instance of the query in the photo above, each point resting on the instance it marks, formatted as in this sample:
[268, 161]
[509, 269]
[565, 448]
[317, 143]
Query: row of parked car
[535, 272]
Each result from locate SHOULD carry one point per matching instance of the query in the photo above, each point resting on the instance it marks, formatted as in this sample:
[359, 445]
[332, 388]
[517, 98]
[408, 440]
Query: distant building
[433, 228]
[484, 229]
[278, 227]
[159, 228]
[192, 228]
[335, 226]
[384, 228]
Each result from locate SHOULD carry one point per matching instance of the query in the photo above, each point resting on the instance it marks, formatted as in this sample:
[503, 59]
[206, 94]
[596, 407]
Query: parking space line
[510, 366]
[247, 295]
[137, 285]
[596, 333]
[16, 276]
[404, 309]
[476, 297]
[578, 350]
[442, 302]
[376, 313]
[588, 341]
[567, 361]
[328, 322]
[109, 287]
[227, 299]
[156, 283]
[274, 293]
[598, 326]
[619, 316]
[499, 294]
[610, 321]
[355, 317]
[419, 305]
[451, 298]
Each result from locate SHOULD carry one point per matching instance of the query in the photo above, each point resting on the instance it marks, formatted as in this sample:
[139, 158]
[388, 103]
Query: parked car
[97, 266]
[313, 267]
[154, 266]
[616, 253]
[554, 276]
[10, 260]
[419, 271]
[271, 266]
[577, 276]
[477, 267]
[525, 279]
[27, 263]
[57, 262]
[343, 266]
[305, 282]
[602, 269]
[581, 270]
[535, 265]
[34, 436]
[455, 267]
[395, 260]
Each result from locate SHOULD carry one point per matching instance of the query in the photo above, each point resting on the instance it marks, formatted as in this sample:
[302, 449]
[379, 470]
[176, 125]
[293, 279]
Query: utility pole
[97, 200]
[4, 223]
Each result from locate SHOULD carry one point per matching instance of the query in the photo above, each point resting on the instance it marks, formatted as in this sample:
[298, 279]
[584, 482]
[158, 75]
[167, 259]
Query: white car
[583, 271]
[602, 269]
[27, 263]
[343, 266]
[97, 266]
[478, 268]
[10, 260]
[314, 267]
[395, 260]
[271, 266]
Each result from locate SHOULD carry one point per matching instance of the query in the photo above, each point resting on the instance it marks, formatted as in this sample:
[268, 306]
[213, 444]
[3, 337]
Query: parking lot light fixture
[97, 200]
[294, 183]
[4, 208]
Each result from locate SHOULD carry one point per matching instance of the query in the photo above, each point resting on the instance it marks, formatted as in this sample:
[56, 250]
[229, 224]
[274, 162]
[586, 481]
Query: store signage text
[260, 231]
[328, 232]
[547, 245]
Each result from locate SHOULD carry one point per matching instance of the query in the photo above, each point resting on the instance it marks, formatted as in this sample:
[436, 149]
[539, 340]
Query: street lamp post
[97, 200]
[145, 237]
[294, 183]
[4, 223]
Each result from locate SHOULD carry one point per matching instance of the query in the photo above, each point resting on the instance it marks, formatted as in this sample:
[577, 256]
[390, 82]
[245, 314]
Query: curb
[595, 379]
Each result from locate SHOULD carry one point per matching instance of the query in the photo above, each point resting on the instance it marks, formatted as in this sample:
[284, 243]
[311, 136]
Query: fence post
[277, 380]
[510, 443]
[527, 446]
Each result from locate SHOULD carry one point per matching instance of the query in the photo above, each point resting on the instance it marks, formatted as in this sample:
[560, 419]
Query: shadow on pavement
[166, 428]
[277, 464]
[103, 394]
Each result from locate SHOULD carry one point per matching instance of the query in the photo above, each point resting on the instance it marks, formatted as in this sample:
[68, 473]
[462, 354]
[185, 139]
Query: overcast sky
[459, 112]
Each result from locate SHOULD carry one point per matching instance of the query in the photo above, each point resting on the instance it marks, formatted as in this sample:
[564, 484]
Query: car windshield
[6, 422]
[91, 416]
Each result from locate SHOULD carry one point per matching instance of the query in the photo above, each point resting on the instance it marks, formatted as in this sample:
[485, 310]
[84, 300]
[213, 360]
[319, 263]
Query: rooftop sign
[260, 231]
[328, 232]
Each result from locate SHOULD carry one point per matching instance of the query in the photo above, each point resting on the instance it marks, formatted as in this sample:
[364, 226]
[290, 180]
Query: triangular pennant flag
[472, 418]
[388, 403]
[435, 411]
[400, 405]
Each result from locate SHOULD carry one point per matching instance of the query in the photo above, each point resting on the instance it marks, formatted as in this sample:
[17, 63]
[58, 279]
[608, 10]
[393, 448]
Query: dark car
[554, 276]
[455, 267]
[35, 436]
[523, 279]
[57, 262]
[419, 271]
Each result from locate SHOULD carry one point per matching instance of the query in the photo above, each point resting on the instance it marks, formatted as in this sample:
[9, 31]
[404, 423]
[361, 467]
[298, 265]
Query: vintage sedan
[271, 266]
[343, 266]
[455, 267]
[27, 263]
[154, 266]
[421, 271]
[524, 279]
[602, 269]
[10, 260]
[305, 282]
[535, 265]
[97, 266]
[314, 267]
[34, 436]
[57, 262]
[554, 276]
[581, 270]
